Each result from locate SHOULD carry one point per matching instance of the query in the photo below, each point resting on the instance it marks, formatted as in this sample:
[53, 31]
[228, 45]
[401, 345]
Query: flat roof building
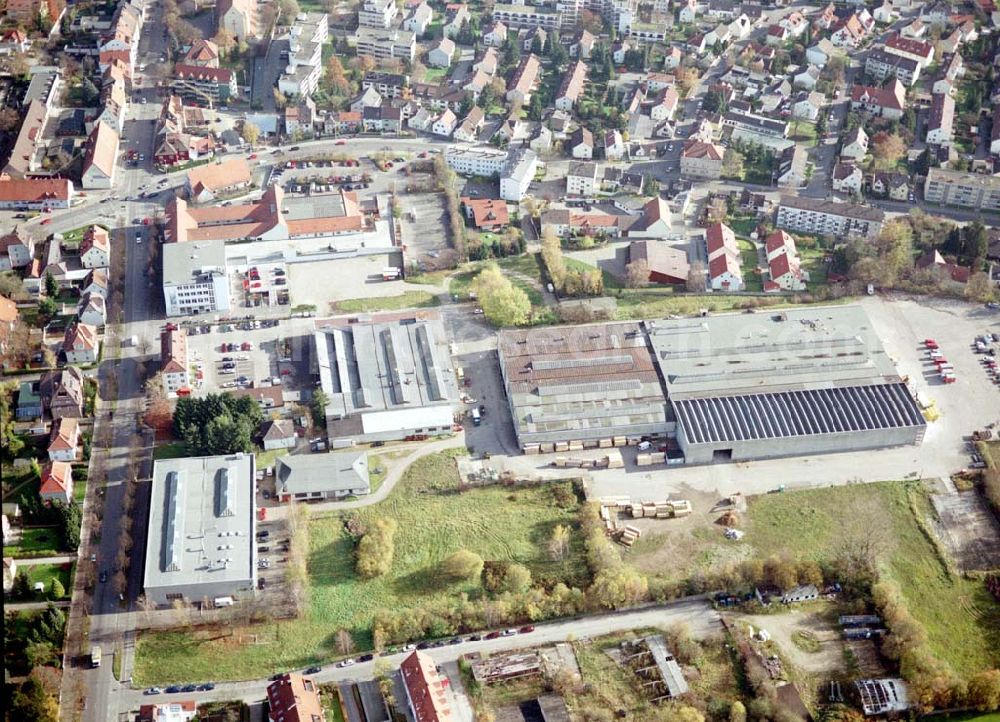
[386, 376]
[792, 383]
[581, 386]
[194, 278]
[202, 528]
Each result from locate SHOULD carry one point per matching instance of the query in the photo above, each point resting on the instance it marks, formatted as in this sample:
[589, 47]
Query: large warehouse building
[386, 377]
[731, 387]
[202, 527]
[581, 387]
[793, 383]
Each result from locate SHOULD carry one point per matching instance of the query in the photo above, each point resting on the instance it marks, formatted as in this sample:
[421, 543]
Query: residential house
[294, 698]
[820, 53]
[445, 124]
[829, 218]
[101, 157]
[377, 13]
[469, 129]
[64, 440]
[718, 36]
[441, 54]
[181, 711]
[581, 179]
[495, 36]
[95, 248]
[783, 263]
[488, 63]
[369, 98]
[777, 35]
[419, 18]
[826, 17]
[523, 81]
[35, 194]
[571, 88]
[917, 50]
[9, 317]
[581, 144]
[808, 105]
[654, 222]
[617, 179]
[947, 271]
[81, 344]
[847, 178]
[664, 105]
[422, 120]
[666, 264]
[724, 259]
[62, 393]
[915, 29]
[807, 78]
[9, 563]
[278, 434]
[92, 310]
[940, 123]
[486, 214]
[701, 160]
[29, 396]
[425, 688]
[889, 101]
[542, 141]
[203, 53]
[17, 248]
[795, 23]
[614, 145]
[672, 58]
[895, 186]
[209, 182]
[885, 13]
[56, 483]
[238, 17]
[880, 65]
[174, 361]
[688, 12]
[456, 15]
[320, 477]
[583, 46]
[855, 146]
[848, 33]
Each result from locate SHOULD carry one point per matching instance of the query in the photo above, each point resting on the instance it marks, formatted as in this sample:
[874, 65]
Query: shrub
[376, 548]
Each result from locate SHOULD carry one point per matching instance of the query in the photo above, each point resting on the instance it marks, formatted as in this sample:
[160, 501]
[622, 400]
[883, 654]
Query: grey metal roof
[752, 417]
[307, 473]
[185, 263]
[201, 521]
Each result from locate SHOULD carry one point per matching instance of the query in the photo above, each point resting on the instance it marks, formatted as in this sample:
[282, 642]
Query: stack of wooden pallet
[629, 534]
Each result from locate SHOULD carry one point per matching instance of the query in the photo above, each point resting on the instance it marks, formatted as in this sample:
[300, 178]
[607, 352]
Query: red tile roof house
[486, 214]
[294, 698]
[80, 344]
[64, 440]
[35, 193]
[425, 689]
[168, 712]
[724, 258]
[57, 482]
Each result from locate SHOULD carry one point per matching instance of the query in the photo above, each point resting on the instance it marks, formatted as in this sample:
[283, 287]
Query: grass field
[495, 522]
[37, 542]
[45, 572]
[79, 490]
[409, 299]
[750, 265]
[331, 703]
[173, 450]
[962, 620]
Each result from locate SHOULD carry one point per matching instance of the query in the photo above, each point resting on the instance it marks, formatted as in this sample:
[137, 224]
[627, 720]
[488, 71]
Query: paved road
[694, 612]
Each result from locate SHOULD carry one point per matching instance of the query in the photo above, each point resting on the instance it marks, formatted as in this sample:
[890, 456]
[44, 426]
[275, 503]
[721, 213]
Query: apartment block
[969, 190]
[829, 218]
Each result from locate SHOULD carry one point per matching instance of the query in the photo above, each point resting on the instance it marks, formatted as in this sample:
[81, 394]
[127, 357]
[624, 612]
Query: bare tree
[696, 277]
[637, 274]
[344, 641]
[865, 539]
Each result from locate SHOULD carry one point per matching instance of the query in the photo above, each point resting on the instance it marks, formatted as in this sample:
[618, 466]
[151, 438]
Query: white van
[223, 602]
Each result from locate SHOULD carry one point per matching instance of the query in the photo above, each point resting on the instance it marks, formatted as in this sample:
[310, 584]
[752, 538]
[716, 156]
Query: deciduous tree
[344, 641]
[637, 274]
[887, 149]
[462, 565]
[559, 543]
[503, 303]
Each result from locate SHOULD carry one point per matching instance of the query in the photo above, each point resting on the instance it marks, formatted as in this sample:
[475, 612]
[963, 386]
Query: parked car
[528, 629]
[312, 670]
[346, 662]
[153, 690]
[509, 632]
[173, 689]
[207, 687]
[366, 657]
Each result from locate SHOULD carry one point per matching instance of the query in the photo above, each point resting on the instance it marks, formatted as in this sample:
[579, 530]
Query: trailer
[95, 656]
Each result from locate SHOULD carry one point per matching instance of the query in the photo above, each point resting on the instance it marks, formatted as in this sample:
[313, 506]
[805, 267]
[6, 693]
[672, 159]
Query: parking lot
[424, 225]
[321, 283]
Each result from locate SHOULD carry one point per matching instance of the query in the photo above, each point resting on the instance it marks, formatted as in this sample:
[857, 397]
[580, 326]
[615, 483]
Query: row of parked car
[944, 368]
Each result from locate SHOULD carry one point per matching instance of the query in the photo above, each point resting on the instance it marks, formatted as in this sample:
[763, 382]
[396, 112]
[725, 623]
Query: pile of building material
[629, 535]
[612, 460]
[658, 457]
[660, 509]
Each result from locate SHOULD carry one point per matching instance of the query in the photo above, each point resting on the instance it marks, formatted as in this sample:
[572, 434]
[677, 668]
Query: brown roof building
[35, 193]
[666, 264]
[294, 698]
[425, 689]
[62, 393]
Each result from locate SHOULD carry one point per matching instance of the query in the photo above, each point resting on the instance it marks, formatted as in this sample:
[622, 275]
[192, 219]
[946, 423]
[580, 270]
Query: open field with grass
[433, 521]
[961, 618]
[37, 542]
[750, 265]
[45, 573]
[173, 450]
[409, 299]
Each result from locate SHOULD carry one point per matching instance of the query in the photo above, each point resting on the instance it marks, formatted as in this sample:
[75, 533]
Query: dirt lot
[813, 622]
[969, 530]
[361, 277]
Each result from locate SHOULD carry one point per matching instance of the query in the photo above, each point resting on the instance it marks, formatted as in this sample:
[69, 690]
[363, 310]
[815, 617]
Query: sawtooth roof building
[581, 386]
[202, 527]
[386, 376]
[730, 387]
[794, 383]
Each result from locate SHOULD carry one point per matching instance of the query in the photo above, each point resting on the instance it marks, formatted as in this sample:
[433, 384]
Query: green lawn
[36, 542]
[79, 490]
[435, 75]
[266, 458]
[812, 261]
[173, 450]
[525, 265]
[409, 299]
[496, 522]
[330, 698]
[961, 618]
[45, 572]
[743, 225]
[430, 278]
[749, 263]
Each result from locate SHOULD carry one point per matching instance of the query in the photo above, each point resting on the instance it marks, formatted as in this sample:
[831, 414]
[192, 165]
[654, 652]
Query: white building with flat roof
[195, 278]
[202, 529]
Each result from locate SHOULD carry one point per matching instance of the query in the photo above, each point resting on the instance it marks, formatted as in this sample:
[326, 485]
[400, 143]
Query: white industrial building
[202, 528]
[386, 377]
